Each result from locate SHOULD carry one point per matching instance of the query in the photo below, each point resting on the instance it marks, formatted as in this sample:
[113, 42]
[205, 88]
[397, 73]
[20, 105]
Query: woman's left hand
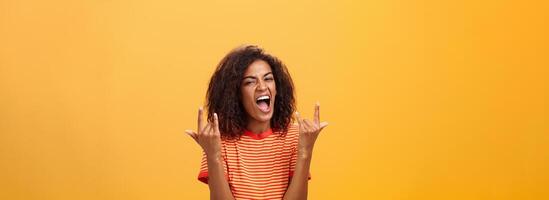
[308, 131]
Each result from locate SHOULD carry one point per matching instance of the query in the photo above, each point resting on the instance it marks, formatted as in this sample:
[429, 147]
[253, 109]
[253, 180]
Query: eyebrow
[253, 77]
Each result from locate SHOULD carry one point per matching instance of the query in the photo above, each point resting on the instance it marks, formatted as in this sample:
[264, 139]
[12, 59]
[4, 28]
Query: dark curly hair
[224, 98]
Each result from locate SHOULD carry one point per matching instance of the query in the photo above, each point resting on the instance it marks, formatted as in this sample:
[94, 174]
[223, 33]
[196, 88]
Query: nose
[262, 85]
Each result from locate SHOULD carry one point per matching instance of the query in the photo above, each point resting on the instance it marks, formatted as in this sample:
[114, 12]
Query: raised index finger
[200, 120]
[317, 114]
[216, 123]
[298, 117]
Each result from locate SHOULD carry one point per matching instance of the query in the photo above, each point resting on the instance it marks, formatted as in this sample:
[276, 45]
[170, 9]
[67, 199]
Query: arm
[209, 138]
[299, 185]
[308, 132]
[219, 187]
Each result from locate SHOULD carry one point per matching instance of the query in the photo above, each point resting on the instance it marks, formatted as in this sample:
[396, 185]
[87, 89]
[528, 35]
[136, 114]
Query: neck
[258, 127]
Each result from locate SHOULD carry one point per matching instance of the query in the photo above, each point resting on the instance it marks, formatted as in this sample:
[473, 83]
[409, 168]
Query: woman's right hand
[207, 136]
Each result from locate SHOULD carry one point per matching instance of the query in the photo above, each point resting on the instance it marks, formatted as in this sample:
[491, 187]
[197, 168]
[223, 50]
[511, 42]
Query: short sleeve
[203, 172]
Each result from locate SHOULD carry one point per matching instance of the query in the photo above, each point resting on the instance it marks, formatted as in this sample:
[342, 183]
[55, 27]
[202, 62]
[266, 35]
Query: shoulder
[293, 127]
[293, 131]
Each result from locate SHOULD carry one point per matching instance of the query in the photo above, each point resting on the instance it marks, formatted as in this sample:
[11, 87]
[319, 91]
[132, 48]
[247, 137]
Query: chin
[264, 118]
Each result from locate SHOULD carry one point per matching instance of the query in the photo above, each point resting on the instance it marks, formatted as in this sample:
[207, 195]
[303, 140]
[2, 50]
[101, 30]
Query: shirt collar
[258, 136]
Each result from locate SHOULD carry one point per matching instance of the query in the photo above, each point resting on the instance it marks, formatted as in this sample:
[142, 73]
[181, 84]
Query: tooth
[262, 97]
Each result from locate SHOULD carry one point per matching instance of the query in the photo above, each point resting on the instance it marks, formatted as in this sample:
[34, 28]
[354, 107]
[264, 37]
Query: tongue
[263, 106]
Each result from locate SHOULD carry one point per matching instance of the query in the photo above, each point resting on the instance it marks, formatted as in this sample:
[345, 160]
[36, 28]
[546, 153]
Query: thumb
[323, 125]
[192, 134]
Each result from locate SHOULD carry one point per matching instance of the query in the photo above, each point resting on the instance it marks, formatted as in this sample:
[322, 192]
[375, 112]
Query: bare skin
[308, 133]
[208, 137]
[258, 81]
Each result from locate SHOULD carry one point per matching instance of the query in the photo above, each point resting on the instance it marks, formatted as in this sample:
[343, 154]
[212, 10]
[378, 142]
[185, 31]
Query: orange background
[425, 99]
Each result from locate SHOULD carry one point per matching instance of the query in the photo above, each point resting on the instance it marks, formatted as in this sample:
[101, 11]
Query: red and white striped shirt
[258, 166]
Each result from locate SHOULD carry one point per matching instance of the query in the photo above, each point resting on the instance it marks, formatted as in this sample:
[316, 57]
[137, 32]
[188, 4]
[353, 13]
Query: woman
[251, 149]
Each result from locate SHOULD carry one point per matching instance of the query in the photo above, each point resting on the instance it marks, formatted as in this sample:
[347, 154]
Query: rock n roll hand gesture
[308, 131]
[207, 136]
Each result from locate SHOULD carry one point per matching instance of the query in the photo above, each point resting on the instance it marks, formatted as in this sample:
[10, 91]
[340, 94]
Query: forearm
[219, 187]
[299, 185]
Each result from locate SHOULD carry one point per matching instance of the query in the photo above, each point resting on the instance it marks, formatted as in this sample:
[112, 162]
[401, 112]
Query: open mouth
[264, 103]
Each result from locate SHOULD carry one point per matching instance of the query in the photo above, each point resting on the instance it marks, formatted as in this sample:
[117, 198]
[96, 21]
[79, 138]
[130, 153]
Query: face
[258, 91]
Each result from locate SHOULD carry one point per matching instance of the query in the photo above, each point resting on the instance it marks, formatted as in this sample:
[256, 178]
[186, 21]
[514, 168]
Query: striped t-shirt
[258, 166]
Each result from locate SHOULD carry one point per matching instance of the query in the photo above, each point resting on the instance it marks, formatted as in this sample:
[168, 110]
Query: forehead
[257, 68]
